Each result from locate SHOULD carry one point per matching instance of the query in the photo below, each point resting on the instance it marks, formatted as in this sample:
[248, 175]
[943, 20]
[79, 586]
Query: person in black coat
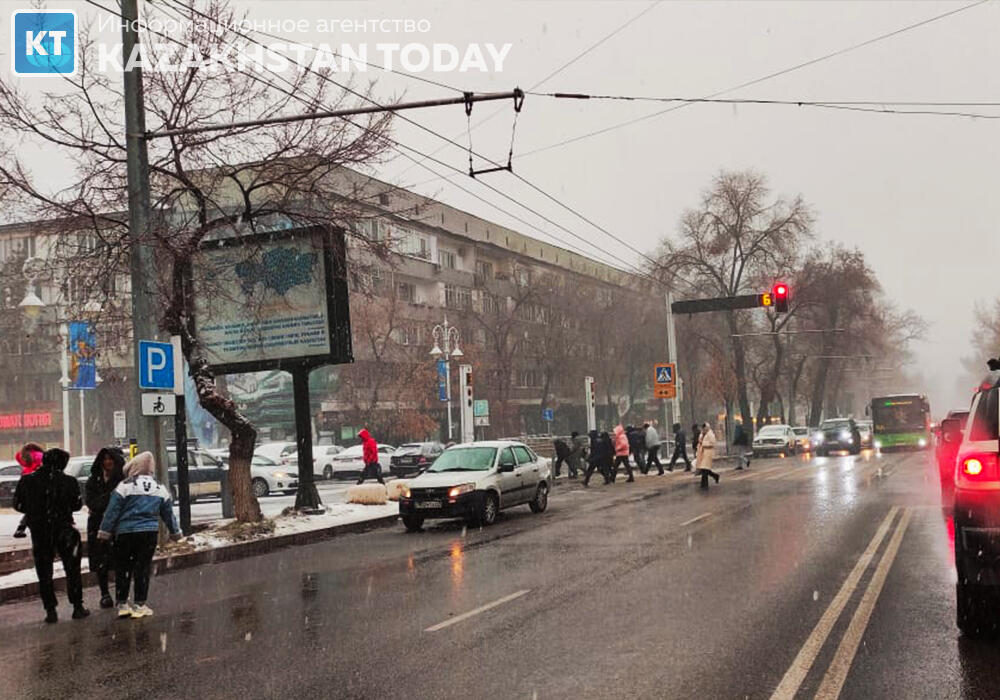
[695, 436]
[105, 475]
[562, 455]
[49, 498]
[680, 448]
[637, 446]
[599, 457]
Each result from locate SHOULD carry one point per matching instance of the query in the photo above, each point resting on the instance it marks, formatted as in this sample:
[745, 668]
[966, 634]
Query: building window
[491, 303]
[408, 335]
[522, 276]
[447, 259]
[406, 292]
[457, 297]
[75, 289]
[417, 246]
[383, 198]
[484, 271]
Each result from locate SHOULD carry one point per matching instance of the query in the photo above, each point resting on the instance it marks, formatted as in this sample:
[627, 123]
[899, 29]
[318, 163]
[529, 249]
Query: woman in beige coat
[706, 454]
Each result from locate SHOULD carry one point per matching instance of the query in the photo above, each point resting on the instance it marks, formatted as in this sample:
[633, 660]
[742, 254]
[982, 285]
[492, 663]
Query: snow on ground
[24, 576]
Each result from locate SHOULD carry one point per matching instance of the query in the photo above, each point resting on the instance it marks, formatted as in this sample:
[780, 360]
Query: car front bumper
[771, 449]
[464, 505]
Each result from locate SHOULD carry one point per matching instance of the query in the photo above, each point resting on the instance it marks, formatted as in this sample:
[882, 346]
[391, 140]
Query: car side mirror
[506, 466]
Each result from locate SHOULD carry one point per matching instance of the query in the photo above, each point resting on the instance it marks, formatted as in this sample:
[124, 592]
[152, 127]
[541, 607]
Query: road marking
[797, 672]
[483, 608]
[836, 674]
[696, 519]
[756, 473]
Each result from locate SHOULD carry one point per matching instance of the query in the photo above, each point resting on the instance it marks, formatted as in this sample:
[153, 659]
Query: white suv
[476, 481]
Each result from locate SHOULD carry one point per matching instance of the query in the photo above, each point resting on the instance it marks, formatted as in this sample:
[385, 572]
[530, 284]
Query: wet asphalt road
[655, 589]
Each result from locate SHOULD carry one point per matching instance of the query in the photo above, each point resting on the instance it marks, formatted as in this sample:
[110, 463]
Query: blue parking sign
[156, 365]
[548, 414]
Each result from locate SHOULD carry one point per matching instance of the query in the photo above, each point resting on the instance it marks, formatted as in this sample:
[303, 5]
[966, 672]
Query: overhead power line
[850, 106]
[761, 79]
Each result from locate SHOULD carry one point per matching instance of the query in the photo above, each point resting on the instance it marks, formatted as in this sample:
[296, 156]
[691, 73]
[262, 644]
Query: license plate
[428, 504]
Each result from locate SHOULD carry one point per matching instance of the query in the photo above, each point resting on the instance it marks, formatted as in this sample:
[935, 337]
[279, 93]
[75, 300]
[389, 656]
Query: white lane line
[696, 519]
[836, 674]
[483, 608]
[753, 474]
[797, 672]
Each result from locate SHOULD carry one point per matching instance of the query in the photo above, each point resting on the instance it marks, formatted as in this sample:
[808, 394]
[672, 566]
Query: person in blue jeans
[133, 518]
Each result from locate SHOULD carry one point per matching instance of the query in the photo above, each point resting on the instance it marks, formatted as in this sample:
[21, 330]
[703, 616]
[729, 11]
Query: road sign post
[466, 414]
[121, 428]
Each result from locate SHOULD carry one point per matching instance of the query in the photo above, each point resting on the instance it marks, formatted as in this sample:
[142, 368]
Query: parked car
[775, 439]
[803, 438]
[79, 468]
[414, 457]
[267, 475]
[275, 450]
[204, 473]
[322, 456]
[476, 481]
[838, 434]
[10, 474]
[977, 513]
[348, 463]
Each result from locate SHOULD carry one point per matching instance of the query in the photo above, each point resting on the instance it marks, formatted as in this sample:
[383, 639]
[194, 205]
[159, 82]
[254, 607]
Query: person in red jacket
[30, 459]
[369, 455]
[621, 455]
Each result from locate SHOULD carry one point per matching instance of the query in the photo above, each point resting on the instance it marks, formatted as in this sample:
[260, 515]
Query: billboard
[270, 301]
[82, 356]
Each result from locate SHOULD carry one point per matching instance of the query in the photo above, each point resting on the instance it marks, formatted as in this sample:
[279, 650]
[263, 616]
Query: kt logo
[43, 42]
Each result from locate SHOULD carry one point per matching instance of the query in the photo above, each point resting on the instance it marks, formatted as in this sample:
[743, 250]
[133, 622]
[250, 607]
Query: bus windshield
[899, 413]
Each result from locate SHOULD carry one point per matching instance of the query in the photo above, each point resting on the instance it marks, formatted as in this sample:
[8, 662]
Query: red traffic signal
[780, 291]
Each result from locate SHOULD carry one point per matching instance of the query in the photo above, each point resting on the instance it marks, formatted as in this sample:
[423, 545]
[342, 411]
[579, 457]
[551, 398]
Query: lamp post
[445, 337]
[32, 306]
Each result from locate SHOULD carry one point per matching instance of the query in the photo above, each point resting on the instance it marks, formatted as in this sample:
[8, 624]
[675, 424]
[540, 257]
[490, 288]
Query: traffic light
[780, 295]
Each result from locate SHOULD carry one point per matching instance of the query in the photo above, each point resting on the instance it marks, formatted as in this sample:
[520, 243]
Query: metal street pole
[64, 382]
[141, 254]
[445, 336]
[447, 381]
[83, 425]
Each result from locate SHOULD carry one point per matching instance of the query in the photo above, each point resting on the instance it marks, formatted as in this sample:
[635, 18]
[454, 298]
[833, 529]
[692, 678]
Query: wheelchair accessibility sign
[159, 405]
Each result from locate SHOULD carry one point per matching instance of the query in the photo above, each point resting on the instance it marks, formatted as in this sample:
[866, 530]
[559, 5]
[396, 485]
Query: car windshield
[835, 425]
[772, 431]
[262, 461]
[475, 459]
[800, 431]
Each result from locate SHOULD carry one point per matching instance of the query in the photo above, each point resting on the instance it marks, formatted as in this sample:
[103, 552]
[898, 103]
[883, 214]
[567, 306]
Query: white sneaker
[141, 611]
[124, 610]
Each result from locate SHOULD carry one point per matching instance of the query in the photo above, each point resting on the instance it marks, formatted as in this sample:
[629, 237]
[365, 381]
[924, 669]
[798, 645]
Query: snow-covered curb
[217, 544]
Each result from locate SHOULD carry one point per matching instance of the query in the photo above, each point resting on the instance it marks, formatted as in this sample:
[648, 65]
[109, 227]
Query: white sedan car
[349, 463]
[268, 476]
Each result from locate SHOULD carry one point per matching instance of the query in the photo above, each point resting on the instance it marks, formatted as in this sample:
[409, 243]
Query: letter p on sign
[156, 365]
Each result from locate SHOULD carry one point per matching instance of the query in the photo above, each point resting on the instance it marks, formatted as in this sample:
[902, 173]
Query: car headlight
[922, 442]
[279, 475]
[878, 444]
[405, 492]
[845, 435]
[818, 437]
[457, 491]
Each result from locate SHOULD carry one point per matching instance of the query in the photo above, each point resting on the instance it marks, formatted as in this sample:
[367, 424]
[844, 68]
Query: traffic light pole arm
[699, 306]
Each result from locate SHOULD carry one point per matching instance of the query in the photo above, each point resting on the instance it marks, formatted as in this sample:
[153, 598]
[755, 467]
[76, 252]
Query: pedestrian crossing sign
[664, 373]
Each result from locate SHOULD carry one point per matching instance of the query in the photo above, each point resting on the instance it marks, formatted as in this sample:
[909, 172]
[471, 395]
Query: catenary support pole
[141, 253]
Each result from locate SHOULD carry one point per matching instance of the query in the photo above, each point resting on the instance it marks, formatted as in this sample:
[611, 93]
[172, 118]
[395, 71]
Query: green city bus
[902, 421]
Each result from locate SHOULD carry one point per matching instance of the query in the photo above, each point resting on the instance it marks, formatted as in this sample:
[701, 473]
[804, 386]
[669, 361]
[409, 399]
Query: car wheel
[488, 509]
[972, 610]
[328, 472]
[413, 522]
[259, 487]
[541, 500]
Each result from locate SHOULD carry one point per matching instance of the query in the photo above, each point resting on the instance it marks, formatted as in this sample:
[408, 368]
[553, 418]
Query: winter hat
[55, 459]
[30, 457]
[143, 464]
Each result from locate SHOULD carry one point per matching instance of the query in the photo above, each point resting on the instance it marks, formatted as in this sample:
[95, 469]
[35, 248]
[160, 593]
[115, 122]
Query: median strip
[472, 613]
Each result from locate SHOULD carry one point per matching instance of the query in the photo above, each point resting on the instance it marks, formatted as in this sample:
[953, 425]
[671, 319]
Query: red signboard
[17, 421]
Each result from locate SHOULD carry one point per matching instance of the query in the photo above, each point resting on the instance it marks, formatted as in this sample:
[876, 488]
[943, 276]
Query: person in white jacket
[706, 454]
[653, 447]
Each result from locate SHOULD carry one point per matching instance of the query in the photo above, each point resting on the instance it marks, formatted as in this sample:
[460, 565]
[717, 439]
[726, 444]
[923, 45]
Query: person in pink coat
[621, 454]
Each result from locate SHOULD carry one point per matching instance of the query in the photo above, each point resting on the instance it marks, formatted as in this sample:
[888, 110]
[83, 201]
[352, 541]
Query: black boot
[106, 601]
[51, 616]
[80, 612]
[715, 476]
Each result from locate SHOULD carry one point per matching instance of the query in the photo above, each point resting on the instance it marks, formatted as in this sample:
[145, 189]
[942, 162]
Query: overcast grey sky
[916, 193]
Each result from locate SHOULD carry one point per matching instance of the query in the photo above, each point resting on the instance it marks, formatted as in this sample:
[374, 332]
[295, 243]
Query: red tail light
[981, 467]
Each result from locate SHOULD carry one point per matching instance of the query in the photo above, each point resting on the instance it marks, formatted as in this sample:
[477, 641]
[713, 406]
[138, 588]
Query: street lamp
[446, 337]
[32, 305]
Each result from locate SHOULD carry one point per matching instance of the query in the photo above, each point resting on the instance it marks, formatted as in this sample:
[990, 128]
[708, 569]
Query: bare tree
[738, 236]
[205, 186]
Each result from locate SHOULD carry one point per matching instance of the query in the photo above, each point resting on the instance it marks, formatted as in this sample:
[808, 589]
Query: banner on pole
[82, 356]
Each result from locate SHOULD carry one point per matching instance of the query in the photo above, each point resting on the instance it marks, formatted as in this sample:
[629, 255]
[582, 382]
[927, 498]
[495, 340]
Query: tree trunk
[793, 391]
[769, 389]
